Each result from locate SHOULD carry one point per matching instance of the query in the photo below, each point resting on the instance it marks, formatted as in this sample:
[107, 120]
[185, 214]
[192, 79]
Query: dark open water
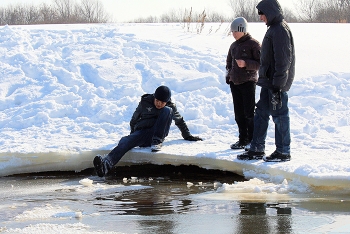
[159, 201]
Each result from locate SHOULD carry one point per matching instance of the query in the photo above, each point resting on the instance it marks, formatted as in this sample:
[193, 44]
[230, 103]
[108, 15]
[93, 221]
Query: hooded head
[162, 93]
[272, 10]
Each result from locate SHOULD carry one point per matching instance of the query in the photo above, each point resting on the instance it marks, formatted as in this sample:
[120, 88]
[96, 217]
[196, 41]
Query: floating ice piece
[217, 184]
[78, 214]
[86, 182]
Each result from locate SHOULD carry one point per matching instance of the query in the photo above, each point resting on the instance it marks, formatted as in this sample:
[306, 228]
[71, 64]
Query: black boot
[156, 145]
[277, 157]
[238, 145]
[101, 166]
[251, 155]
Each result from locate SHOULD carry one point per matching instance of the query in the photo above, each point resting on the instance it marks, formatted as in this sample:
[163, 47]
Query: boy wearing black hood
[276, 74]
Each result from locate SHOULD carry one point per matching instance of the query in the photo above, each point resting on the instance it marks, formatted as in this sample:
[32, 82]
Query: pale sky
[126, 10]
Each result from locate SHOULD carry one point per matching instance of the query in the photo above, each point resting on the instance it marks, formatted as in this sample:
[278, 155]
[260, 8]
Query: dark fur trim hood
[272, 10]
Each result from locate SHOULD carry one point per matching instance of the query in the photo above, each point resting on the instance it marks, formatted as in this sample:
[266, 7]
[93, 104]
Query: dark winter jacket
[247, 49]
[146, 115]
[277, 61]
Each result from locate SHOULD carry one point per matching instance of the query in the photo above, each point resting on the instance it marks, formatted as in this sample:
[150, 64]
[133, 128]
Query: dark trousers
[243, 96]
[280, 116]
[142, 137]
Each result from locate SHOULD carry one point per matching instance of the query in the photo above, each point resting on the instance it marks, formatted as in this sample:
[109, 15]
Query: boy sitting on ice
[149, 125]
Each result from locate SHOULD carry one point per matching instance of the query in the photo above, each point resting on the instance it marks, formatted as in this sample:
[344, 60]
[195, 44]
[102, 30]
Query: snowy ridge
[67, 93]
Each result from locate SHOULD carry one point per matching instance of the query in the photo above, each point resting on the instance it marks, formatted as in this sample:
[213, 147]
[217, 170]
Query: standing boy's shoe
[251, 155]
[277, 157]
[156, 146]
[238, 145]
[101, 166]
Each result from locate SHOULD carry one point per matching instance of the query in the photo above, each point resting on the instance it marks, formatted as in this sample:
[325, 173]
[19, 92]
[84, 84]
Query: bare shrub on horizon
[92, 11]
[201, 20]
[323, 11]
[58, 12]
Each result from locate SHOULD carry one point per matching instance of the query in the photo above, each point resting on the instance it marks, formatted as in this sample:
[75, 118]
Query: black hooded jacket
[146, 115]
[277, 60]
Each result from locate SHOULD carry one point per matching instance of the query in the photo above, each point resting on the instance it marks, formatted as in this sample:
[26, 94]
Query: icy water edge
[160, 199]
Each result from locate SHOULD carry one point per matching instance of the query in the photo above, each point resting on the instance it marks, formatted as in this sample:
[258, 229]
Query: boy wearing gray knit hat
[242, 64]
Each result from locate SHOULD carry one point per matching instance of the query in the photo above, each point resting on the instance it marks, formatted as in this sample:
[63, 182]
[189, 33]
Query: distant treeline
[92, 11]
[58, 12]
[307, 11]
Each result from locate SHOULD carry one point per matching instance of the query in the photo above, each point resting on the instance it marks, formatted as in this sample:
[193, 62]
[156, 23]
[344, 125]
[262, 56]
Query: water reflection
[248, 225]
[262, 221]
[162, 199]
[165, 205]
[157, 204]
[157, 226]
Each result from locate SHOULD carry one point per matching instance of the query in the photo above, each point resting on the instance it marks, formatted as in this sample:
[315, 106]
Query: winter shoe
[251, 155]
[277, 157]
[238, 145]
[156, 146]
[101, 166]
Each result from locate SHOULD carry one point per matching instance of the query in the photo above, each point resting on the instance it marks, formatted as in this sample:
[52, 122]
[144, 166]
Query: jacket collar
[245, 38]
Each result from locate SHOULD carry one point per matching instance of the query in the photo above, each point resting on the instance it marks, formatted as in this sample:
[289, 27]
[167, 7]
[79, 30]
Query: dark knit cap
[162, 93]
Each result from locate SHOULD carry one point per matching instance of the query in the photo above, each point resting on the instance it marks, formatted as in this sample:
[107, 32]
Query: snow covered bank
[68, 91]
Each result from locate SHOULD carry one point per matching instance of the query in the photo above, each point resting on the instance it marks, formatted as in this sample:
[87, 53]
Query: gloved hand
[276, 98]
[193, 138]
[227, 77]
